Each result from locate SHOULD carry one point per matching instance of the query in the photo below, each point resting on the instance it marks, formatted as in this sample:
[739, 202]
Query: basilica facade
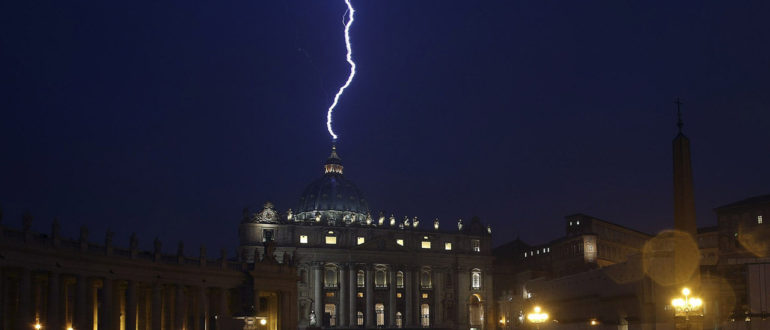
[356, 270]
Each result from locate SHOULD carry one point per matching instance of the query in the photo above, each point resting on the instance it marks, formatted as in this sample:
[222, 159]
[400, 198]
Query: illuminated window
[525, 254]
[400, 279]
[425, 244]
[570, 223]
[330, 294]
[400, 242]
[360, 318]
[331, 240]
[425, 315]
[267, 235]
[379, 309]
[425, 279]
[448, 246]
[360, 295]
[331, 310]
[398, 295]
[476, 245]
[476, 279]
[330, 277]
[577, 222]
[360, 240]
[759, 219]
[380, 278]
[399, 320]
[360, 279]
[303, 239]
[424, 296]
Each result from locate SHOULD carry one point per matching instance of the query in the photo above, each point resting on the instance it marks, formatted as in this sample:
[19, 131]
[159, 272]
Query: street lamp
[537, 316]
[689, 306]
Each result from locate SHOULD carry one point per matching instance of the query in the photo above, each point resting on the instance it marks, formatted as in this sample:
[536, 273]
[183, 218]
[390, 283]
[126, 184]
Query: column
[369, 314]
[224, 304]
[342, 314]
[391, 297]
[463, 294]
[2, 293]
[105, 312]
[352, 295]
[437, 310]
[91, 303]
[25, 295]
[157, 306]
[416, 312]
[284, 312]
[204, 307]
[81, 302]
[257, 306]
[408, 297]
[117, 297]
[131, 305]
[317, 298]
[181, 308]
[53, 318]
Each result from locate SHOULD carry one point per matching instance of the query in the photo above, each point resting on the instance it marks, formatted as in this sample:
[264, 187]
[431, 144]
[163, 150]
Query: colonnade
[405, 299]
[61, 300]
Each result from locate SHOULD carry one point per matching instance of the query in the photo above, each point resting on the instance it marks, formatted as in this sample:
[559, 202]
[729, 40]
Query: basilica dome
[332, 198]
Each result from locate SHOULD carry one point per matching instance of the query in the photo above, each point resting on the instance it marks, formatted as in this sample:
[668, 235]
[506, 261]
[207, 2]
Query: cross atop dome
[333, 163]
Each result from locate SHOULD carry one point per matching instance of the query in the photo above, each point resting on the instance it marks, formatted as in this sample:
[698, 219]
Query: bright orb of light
[686, 291]
[262, 321]
[38, 326]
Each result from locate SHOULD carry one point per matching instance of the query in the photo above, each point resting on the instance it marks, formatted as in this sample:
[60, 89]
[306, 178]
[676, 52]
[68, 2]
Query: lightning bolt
[350, 13]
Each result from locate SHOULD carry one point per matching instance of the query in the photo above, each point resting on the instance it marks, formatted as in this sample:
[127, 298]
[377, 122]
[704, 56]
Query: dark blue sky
[166, 118]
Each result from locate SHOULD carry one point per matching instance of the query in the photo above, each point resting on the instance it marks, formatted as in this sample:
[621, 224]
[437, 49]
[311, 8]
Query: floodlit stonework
[360, 271]
[61, 283]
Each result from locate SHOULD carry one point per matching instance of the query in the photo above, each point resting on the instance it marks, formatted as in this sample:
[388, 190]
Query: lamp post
[687, 306]
[538, 316]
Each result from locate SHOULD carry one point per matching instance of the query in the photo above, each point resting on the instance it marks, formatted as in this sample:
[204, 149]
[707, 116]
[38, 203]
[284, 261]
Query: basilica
[356, 270]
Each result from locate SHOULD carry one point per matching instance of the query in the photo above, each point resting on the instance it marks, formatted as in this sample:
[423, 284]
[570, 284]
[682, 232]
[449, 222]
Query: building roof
[751, 201]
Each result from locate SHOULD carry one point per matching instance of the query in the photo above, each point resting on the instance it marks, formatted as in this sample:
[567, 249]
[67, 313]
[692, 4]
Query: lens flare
[349, 58]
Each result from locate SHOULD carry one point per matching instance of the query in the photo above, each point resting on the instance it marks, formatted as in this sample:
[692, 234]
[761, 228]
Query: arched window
[400, 279]
[359, 318]
[425, 315]
[330, 277]
[425, 280]
[476, 279]
[360, 279]
[380, 310]
[399, 320]
[380, 278]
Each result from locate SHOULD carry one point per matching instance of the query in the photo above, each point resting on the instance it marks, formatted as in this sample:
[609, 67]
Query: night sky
[166, 118]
